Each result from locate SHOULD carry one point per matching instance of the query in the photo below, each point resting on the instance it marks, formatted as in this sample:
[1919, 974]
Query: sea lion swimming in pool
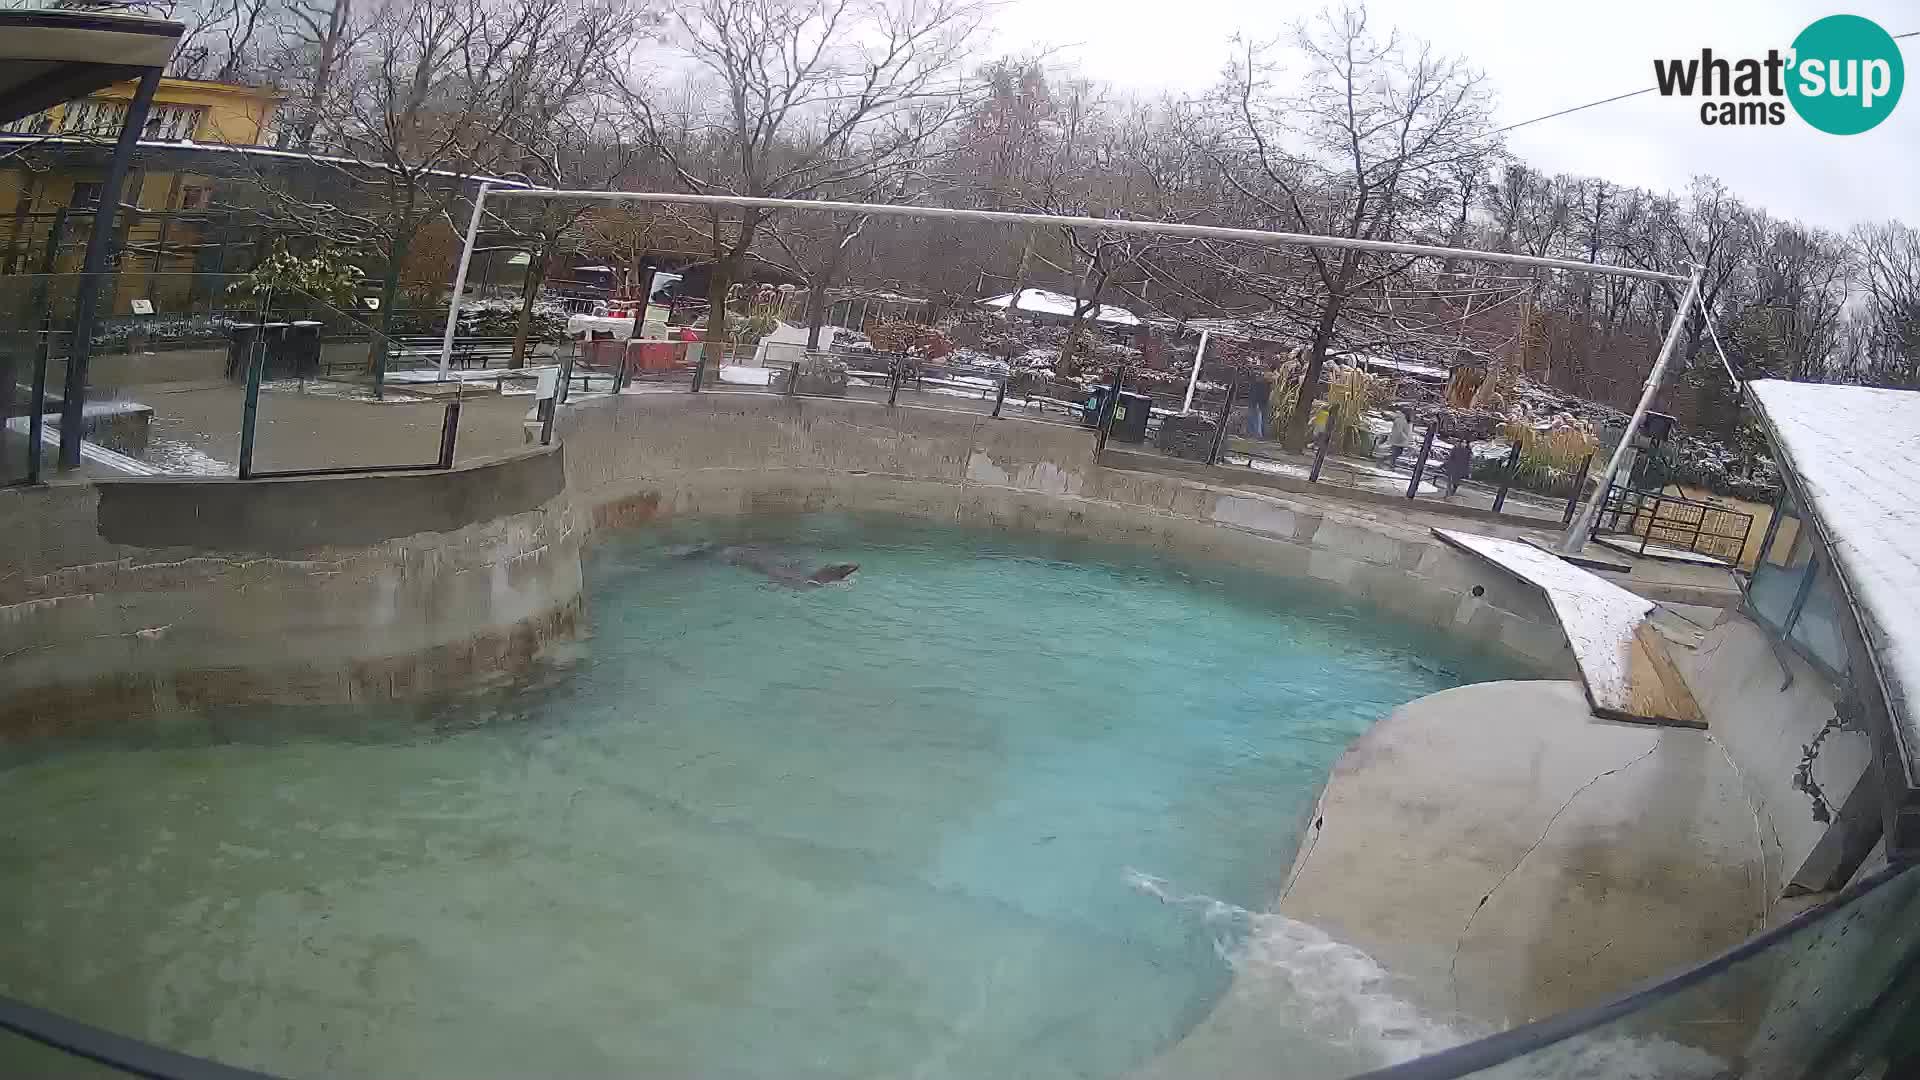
[778, 570]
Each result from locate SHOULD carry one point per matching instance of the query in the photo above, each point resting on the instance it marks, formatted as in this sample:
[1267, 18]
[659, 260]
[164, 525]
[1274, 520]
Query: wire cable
[1622, 97]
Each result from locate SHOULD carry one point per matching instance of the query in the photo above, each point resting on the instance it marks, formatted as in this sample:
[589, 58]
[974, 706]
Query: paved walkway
[196, 427]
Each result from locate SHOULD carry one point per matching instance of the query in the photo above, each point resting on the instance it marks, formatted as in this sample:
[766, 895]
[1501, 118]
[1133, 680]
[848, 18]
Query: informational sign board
[143, 307]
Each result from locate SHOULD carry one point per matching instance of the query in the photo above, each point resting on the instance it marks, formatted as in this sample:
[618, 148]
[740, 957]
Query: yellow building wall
[240, 115]
[235, 114]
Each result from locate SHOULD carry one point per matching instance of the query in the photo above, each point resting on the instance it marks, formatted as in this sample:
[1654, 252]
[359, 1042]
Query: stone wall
[639, 457]
[128, 598]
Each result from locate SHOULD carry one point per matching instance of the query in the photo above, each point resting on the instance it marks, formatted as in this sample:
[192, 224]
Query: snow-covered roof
[1855, 452]
[1048, 302]
[1405, 367]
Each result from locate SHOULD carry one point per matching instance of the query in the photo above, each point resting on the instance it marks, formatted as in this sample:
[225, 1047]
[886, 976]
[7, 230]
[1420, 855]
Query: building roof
[236, 152]
[1048, 302]
[1854, 454]
[48, 57]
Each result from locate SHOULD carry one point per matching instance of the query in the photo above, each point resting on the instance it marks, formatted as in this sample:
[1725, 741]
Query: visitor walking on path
[1401, 437]
[1259, 394]
[1459, 463]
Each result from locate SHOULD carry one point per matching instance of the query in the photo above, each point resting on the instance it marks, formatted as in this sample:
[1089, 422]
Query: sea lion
[778, 570]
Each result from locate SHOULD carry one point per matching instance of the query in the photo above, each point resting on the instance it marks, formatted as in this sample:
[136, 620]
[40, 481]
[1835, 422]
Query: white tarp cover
[1855, 451]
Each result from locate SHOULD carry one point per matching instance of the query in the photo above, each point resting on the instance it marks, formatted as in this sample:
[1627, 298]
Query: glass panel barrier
[1833, 993]
[1819, 627]
[1778, 573]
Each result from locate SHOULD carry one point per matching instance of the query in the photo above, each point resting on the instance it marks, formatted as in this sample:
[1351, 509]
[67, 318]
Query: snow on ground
[1856, 452]
[1599, 617]
[346, 390]
[173, 456]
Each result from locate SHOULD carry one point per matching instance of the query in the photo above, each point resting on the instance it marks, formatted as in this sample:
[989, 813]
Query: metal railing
[1670, 523]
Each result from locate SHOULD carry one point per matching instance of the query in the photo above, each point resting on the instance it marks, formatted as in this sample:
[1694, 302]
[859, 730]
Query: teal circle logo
[1846, 75]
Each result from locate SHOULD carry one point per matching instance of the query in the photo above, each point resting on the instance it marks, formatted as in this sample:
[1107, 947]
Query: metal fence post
[1420, 463]
[1579, 482]
[1506, 477]
[37, 401]
[1111, 407]
[1220, 429]
[73, 397]
[249, 413]
[566, 376]
[893, 382]
[1000, 398]
[793, 379]
[449, 431]
[1320, 455]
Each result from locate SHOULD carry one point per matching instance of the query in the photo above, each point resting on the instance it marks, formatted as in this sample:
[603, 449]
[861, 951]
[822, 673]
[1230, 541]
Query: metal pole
[1000, 398]
[1320, 455]
[1506, 477]
[1579, 481]
[250, 411]
[37, 423]
[460, 280]
[1220, 429]
[1420, 463]
[1106, 418]
[449, 431]
[566, 375]
[1193, 377]
[73, 399]
[1050, 221]
[1576, 536]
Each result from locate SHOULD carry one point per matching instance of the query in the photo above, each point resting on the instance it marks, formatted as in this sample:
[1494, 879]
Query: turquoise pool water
[935, 821]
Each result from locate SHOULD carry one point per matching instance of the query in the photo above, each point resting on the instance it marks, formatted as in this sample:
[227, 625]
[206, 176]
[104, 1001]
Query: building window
[193, 198]
[1777, 573]
[85, 193]
[92, 116]
[172, 123]
[39, 123]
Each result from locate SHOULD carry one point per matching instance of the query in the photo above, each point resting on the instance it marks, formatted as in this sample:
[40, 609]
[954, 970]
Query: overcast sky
[1544, 55]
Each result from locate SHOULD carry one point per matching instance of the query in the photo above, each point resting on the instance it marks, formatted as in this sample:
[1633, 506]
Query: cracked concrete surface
[1507, 856]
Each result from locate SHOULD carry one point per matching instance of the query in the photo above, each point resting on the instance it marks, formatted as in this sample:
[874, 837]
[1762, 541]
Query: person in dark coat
[1459, 464]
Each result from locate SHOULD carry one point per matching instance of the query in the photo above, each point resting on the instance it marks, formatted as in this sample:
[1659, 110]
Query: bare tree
[797, 97]
[225, 40]
[1889, 320]
[566, 134]
[1372, 149]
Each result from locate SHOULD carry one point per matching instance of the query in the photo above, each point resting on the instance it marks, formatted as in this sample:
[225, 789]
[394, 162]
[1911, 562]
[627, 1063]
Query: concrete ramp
[1622, 657]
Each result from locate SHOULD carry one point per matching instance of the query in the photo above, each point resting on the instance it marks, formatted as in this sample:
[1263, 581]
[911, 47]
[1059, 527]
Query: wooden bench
[466, 350]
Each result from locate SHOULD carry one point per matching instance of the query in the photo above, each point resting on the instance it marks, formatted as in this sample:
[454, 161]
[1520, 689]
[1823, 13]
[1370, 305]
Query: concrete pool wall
[123, 598]
[119, 598]
[126, 598]
[637, 457]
